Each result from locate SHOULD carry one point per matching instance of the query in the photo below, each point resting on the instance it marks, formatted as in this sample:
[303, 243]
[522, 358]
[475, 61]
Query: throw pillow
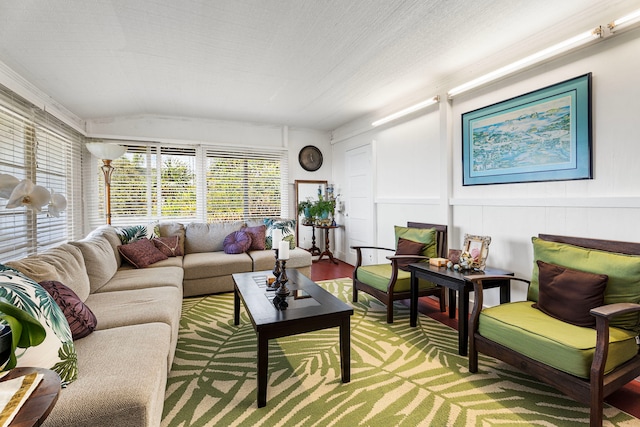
[237, 242]
[141, 253]
[258, 237]
[408, 247]
[57, 352]
[133, 233]
[422, 235]
[170, 246]
[568, 294]
[81, 319]
[288, 227]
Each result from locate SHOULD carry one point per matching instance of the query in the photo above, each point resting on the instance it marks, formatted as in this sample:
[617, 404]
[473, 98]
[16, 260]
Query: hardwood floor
[627, 398]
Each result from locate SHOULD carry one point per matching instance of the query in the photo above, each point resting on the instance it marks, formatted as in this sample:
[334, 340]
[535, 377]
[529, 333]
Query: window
[185, 183]
[37, 146]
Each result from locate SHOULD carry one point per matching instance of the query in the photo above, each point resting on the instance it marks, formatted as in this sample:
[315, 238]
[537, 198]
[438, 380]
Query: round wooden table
[39, 405]
[327, 243]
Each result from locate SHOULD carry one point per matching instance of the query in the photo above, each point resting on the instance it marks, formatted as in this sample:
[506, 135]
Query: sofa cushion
[99, 260]
[427, 236]
[201, 237]
[213, 264]
[141, 253]
[564, 346]
[170, 246]
[568, 294]
[124, 380]
[81, 319]
[63, 263]
[408, 247]
[288, 227]
[623, 271]
[152, 277]
[57, 351]
[258, 237]
[237, 242]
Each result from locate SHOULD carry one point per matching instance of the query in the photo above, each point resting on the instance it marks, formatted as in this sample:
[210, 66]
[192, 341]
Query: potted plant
[26, 331]
[304, 208]
[322, 208]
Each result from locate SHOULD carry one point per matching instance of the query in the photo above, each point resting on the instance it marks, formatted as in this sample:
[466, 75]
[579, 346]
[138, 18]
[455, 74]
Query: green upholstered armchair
[574, 332]
[388, 282]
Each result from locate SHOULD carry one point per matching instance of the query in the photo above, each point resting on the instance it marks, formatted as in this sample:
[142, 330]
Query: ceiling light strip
[535, 58]
[406, 111]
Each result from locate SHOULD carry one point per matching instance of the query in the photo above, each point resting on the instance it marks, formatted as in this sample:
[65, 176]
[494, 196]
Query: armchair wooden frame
[391, 295]
[587, 391]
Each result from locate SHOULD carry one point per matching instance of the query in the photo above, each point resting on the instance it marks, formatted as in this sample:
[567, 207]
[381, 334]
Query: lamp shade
[106, 151]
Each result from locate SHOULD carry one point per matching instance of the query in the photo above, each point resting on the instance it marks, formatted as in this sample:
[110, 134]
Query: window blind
[155, 181]
[37, 146]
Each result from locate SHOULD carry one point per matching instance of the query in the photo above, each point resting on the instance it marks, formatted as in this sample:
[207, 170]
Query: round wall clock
[310, 158]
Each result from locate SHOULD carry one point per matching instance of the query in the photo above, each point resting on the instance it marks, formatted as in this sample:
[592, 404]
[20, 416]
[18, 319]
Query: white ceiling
[303, 63]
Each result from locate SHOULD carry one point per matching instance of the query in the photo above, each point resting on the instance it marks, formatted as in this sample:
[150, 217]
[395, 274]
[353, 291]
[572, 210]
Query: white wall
[606, 206]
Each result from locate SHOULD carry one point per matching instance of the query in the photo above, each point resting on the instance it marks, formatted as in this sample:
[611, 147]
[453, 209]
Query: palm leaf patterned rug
[400, 376]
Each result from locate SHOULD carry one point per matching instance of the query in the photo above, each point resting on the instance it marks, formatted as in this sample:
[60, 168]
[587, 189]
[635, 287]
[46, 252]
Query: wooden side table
[327, 243]
[39, 405]
[314, 250]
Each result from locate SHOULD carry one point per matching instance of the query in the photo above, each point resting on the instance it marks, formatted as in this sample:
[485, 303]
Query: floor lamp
[106, 152]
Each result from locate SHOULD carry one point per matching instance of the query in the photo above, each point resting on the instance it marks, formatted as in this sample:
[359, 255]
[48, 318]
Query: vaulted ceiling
[303, 63]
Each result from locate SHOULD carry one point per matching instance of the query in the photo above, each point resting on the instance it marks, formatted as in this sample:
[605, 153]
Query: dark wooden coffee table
[311, 308]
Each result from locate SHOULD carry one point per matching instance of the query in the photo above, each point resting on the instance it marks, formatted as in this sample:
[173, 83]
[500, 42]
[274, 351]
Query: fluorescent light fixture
[625, 21]
[537, 57]
[406, 111]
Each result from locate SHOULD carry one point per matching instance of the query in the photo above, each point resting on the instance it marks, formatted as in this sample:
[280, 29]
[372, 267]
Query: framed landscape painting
[544, 135]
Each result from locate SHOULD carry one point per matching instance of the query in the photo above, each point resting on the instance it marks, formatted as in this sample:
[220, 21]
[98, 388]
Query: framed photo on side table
[475, 251]
[543, 135]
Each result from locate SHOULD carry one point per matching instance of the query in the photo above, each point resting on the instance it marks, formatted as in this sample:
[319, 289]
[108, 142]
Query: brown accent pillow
[408, 247]
[568, 294]
[141, 253]
[170, 246]
[81, 319]
[258, 237]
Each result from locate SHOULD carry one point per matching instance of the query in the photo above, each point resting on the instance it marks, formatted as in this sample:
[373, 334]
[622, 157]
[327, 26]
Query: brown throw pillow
[258, 237]
[170, 246]
[568, 294]
[141, 253]
[81, 319]
[408, 247]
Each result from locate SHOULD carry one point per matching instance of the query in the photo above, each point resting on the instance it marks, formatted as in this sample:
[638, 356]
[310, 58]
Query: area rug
[400, 376]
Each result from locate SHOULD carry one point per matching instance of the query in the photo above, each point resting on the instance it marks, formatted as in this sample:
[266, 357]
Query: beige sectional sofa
[123, 364]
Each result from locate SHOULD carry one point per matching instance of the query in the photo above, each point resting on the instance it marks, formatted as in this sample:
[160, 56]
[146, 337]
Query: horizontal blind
[34, 145]
[244, 184]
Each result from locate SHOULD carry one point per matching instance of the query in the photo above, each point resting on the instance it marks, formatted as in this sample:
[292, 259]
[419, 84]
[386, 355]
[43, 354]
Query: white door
[359, 209]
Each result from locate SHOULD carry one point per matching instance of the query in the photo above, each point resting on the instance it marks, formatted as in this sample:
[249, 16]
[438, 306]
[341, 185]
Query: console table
[455, 281]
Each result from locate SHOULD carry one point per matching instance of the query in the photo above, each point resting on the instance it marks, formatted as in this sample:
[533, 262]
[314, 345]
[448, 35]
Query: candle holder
[280, 298]
[276, 271]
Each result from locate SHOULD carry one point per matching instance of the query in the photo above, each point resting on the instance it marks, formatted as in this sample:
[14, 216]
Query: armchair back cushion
[623, 271]
[426, 236]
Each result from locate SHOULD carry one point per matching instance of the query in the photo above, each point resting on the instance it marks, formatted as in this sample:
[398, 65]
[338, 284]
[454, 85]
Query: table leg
[452, 303]
[345, 350]
[263, 365]
[463, 322]
[413, 306]
[236, 306]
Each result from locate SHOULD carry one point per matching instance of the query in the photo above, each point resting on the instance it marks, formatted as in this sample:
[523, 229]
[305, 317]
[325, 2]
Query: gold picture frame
[475, 252]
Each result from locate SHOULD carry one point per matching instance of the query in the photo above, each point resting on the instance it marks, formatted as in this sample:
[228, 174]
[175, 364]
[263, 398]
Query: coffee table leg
[345, 350]
[263, 358]
[236, 307]
[413, 304]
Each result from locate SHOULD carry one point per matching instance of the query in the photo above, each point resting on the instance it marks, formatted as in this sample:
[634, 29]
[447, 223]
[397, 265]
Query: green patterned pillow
[288, 227]
[133, 233]
[57, 352]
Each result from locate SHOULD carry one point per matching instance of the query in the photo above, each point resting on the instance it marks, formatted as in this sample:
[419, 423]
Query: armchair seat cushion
[378, 276]
[564, 346]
